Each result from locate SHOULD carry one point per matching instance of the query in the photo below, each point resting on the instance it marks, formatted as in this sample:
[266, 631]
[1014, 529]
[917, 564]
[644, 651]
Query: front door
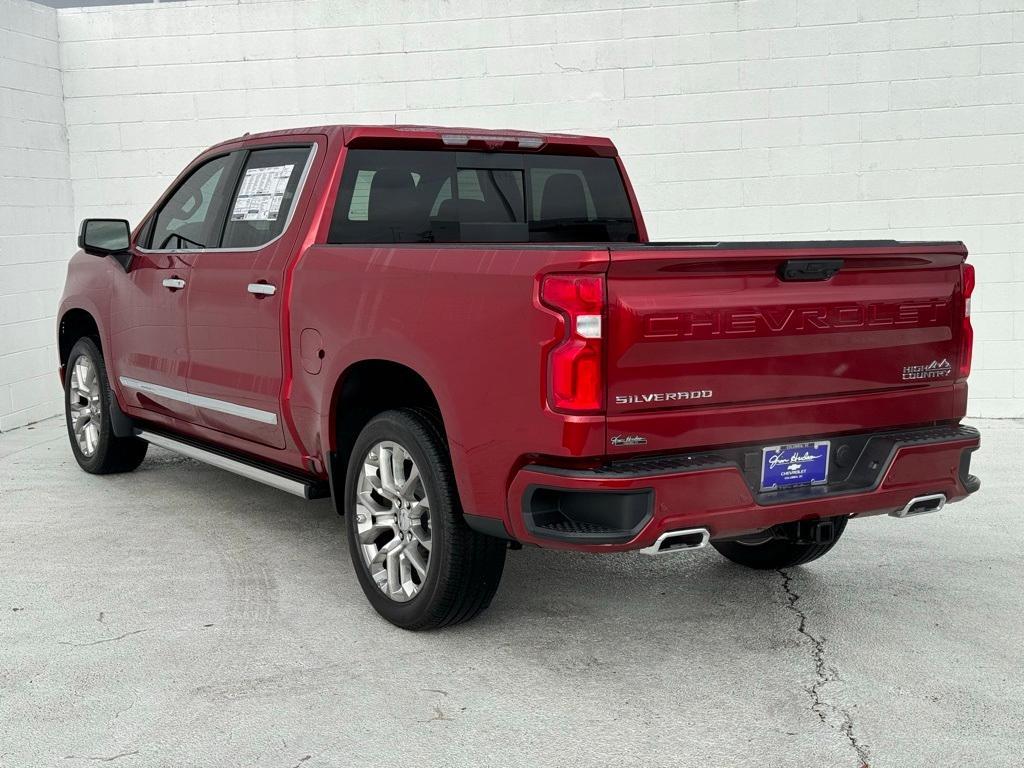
[148, 329]
[235, 373]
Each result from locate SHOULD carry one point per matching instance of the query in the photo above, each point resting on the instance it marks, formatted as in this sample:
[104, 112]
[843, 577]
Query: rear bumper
[627, 505]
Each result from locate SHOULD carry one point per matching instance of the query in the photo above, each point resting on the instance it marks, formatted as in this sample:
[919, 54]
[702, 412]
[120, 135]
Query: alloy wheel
[393, 521]
[85, 405]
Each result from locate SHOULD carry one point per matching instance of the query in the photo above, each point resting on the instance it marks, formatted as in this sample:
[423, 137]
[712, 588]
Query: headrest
[391, 191]
[563, 197]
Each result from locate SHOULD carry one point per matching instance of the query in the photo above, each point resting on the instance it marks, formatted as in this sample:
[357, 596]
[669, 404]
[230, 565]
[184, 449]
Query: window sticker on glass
[261, 194]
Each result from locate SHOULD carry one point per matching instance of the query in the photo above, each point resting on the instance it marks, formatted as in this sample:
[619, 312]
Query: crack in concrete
[823, 675]
[103, 759]
[104, 640]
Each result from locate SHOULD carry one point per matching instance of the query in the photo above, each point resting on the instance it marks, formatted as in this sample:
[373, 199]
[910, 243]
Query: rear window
[407, 196]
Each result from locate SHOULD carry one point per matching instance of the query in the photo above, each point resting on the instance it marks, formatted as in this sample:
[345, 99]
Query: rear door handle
[262, 289]
[174, 283]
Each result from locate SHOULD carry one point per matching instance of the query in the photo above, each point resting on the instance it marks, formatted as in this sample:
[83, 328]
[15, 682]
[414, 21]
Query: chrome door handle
[174, 283]
[262, 289]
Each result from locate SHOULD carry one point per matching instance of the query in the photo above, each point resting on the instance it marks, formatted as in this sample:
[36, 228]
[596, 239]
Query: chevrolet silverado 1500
[466, 338]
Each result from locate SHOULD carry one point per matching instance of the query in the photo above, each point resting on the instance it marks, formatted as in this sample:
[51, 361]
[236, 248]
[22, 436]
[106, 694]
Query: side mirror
[104, 237]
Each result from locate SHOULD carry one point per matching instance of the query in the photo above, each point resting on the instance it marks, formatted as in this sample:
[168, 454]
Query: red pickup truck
[466, 338]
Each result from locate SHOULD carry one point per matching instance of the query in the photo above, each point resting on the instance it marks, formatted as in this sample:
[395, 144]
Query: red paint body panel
[148, 332]
[235, 337]
[783, 360]
[749, 356]
[712, 426]
[470, 324]
[692, 323]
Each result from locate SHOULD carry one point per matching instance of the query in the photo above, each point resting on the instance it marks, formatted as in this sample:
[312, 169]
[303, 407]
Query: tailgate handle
[809, 269]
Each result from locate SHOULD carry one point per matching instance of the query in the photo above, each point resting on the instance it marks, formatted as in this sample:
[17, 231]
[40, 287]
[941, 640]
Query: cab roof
[435, 137]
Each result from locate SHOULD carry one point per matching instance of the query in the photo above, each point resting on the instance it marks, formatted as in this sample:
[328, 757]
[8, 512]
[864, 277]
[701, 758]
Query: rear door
[148, 308]
[236, 301]
[745, 332]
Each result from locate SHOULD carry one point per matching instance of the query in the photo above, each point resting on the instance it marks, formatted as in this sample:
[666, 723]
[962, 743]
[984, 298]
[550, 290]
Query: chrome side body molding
[221, 406]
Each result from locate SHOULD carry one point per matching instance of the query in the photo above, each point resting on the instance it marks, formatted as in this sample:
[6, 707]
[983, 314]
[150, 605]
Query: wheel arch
[364, 389]
[74, 324]
[78, 323]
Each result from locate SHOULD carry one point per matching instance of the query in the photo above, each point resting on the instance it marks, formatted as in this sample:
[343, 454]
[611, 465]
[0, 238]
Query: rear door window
[408, 196]
[264, 196]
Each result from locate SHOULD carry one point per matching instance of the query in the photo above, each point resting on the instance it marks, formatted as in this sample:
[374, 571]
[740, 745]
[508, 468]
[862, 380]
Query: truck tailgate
[711, 345]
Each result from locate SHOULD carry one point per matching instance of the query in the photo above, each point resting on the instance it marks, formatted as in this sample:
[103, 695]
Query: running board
[283, 481]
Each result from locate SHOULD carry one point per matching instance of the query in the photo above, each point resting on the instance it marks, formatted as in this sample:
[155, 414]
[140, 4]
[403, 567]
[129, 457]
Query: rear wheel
[771, 553]
[419, 564]
[87, 406]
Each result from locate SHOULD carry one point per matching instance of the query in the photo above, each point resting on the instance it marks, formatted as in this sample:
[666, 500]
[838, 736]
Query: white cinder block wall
[36, 222]
[738, 118]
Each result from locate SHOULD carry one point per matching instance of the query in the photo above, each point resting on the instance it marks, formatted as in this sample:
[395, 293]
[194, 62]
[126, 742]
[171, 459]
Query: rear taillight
[575, 365]
[966, 332]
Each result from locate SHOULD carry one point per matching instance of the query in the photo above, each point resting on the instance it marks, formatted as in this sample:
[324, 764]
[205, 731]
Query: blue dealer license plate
[786, 466]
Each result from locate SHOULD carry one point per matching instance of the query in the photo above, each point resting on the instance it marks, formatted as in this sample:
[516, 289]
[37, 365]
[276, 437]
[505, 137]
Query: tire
[462, 567]
[777, 553]
[97, 450]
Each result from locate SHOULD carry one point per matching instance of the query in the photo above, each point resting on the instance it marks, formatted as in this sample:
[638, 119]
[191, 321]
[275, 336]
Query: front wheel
[88, 401]
[775, 553]
[419, 564]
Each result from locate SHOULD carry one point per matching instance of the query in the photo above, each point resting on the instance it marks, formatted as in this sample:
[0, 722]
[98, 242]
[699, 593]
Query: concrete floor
[180, 616]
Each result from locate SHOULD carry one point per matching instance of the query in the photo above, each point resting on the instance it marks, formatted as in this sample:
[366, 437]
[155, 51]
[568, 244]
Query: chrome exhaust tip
[684, 540]
[921, 505]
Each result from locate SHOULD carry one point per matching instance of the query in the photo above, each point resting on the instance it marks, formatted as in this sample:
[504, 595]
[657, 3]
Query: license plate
[786, 466]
